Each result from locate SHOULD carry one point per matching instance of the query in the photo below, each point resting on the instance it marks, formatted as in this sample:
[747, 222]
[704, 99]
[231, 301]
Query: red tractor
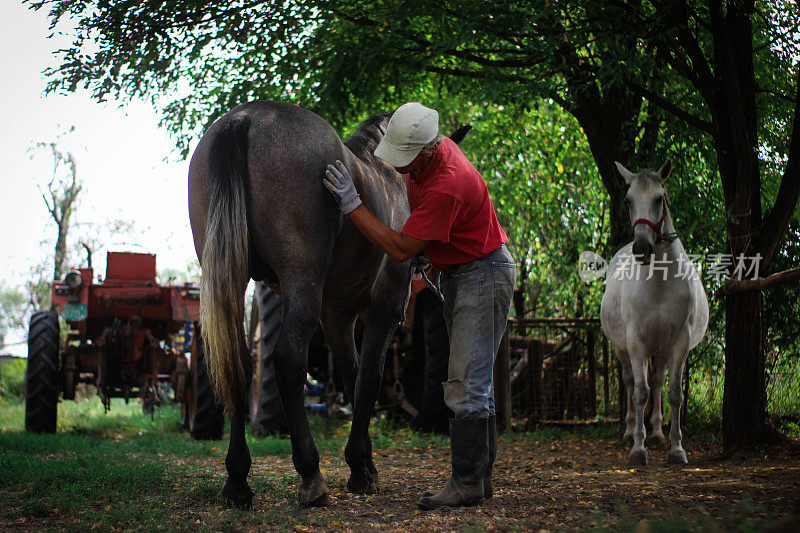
[125, 335]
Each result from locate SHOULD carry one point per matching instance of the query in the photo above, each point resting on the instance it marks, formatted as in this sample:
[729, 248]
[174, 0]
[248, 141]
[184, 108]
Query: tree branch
[698, 71]
[467, 55]
[671, 108]
[775, 93]
[51, 210]
[474, 74]
[759, 284]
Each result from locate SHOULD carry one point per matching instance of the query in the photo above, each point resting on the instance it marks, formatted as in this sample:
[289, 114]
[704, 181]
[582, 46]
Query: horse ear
[665, 170]
[458, 135]
[626, 174]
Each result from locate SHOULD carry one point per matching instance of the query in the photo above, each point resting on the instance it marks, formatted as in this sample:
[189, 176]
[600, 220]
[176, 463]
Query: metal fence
[558, 370]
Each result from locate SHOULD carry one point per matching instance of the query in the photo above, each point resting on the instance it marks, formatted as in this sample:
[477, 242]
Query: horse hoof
[314, 493]
[677, 457]
[638, 458]
[238, 494]
[362, 481]
[655, 441]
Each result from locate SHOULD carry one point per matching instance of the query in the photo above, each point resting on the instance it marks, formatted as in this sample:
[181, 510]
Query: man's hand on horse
[338, 181]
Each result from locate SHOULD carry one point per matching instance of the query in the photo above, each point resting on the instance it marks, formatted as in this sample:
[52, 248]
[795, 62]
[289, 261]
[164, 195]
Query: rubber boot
[469, 450]
[487, 478]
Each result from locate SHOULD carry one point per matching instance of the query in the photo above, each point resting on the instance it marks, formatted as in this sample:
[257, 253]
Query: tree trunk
[60, 256]
[744, 400]
[735, 110]
[610, 124]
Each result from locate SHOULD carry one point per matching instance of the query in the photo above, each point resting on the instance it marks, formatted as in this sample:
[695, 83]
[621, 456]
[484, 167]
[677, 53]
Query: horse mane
[367, 135]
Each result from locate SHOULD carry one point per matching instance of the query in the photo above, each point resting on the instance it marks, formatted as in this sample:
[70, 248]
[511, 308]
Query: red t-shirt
[450, 206]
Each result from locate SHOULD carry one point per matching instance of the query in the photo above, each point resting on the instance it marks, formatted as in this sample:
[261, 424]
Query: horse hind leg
[339, 327]
[237, 492]
[300, 319]
[358, 452]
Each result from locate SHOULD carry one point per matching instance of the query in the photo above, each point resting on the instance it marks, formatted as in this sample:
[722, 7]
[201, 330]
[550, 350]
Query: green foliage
[548, 197]
[556, 91]
[13, 378]
[782, 306]
[339, 58]
[191, 274]
[12, 311]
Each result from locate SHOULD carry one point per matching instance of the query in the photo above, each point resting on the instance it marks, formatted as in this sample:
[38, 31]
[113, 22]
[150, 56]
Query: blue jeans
[477, 298]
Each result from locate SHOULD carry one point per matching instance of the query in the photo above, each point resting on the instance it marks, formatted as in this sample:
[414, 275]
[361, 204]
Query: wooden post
[539, 408]
[590, 342]
[605, 378]
[502, 384]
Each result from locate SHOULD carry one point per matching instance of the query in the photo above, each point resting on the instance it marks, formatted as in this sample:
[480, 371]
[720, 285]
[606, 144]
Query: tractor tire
[207, 420]
[266, 415]
[434, 412]
[42, 377]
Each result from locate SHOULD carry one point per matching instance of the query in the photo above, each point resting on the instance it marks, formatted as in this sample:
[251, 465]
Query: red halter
[656, 226]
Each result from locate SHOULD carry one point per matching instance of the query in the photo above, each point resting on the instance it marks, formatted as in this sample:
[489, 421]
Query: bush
[13, 377]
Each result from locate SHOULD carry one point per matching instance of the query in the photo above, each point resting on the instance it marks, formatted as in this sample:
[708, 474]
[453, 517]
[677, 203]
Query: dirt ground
[571, 484]
[564, 484]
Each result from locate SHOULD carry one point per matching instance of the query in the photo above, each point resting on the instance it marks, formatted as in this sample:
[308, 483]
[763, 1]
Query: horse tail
[225, 261]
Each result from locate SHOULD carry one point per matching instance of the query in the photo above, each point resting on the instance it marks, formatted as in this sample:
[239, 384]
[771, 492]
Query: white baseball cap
[411, 127]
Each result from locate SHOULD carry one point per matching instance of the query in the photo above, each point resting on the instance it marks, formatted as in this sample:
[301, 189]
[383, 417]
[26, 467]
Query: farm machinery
[126, 335]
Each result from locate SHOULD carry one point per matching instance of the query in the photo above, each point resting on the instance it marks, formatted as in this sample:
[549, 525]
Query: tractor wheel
[207, 419]
[435, 413]
[266, 413]
[42, 375]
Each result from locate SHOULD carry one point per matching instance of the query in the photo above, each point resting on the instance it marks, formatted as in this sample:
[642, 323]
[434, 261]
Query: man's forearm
[396, 245]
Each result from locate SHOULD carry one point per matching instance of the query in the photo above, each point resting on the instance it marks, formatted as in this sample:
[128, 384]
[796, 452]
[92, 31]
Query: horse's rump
[258, 209]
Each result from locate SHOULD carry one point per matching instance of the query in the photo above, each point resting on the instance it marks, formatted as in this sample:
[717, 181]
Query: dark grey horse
[258, 210]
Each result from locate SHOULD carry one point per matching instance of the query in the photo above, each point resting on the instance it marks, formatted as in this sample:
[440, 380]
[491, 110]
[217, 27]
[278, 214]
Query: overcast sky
[119, 148]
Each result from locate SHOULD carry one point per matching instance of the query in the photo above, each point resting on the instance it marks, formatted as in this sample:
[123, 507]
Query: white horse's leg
[630, 415]
[656, 418]
[641, 391]
[677, 455]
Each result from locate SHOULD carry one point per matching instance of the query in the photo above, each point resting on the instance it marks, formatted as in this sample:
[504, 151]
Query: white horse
[654, 310]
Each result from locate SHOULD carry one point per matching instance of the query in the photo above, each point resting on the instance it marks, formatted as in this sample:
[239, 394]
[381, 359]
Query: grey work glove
[338, 181]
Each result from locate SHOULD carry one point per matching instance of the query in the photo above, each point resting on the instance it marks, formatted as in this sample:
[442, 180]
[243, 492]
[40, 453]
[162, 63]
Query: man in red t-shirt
[453, 221]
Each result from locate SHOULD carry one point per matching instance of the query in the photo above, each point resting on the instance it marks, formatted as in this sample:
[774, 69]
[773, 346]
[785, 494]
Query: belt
[447, 272]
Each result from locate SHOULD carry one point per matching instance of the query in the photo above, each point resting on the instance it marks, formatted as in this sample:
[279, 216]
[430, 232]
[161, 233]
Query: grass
[122, 470]
[96, 461]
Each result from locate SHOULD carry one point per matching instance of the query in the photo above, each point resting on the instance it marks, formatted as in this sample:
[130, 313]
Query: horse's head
[648, 207]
